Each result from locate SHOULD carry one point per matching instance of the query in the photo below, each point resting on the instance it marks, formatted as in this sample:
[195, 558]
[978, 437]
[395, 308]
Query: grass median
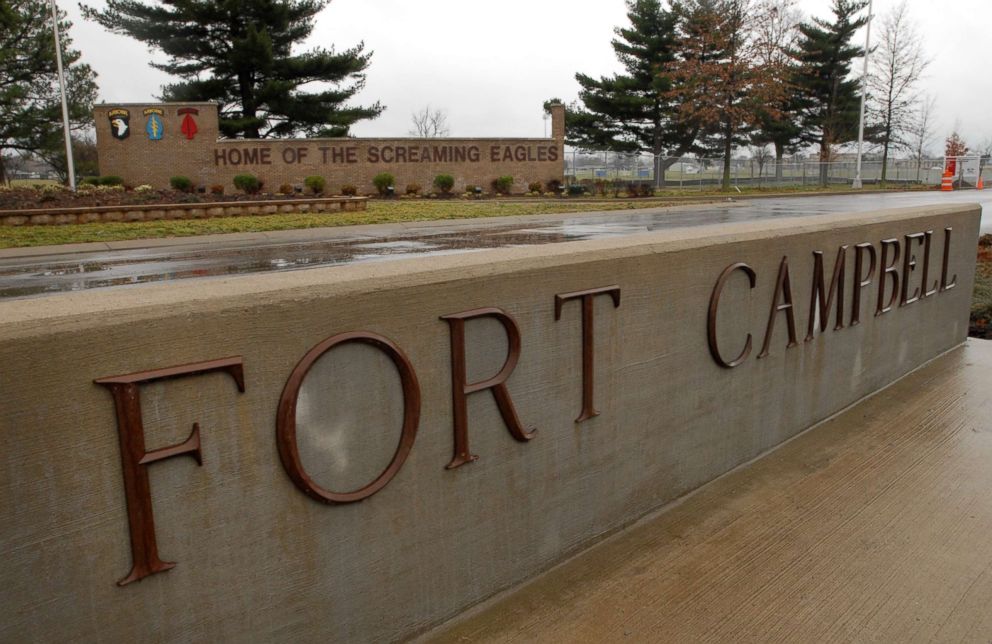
[378, 212]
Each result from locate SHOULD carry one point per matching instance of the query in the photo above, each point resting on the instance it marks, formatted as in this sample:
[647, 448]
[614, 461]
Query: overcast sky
[490, 66]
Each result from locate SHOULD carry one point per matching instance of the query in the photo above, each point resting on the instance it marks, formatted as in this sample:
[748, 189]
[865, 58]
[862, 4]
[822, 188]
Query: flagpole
[864, 92]
[65, 104]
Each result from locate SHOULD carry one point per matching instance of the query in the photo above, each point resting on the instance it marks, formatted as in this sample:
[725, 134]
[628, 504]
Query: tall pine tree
[633, 111]
[830, 100]
[30, 102]
[717, 77]
[240, 53]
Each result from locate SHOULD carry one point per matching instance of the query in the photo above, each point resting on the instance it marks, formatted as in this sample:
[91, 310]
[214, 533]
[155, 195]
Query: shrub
[90, 181]
[444, 183]
[285, 189]
[503, 185]
[247, 183]
[553, 186]
[315, 184]
[413, 188]
[576, 190]
[469, 189]
[349, 190]
[615, 187]
[180, 183]
[382, 181]
[600, 187]
[534, 186]
[217, 189]
[111, 180]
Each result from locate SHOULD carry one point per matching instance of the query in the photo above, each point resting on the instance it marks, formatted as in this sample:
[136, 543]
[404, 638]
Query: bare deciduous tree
[429, 123]
[921, 132]
[761, 156]
[776, 32]
[896, 67]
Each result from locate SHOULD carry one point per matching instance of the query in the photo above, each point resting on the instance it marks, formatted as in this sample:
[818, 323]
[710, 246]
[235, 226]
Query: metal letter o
[286, 418]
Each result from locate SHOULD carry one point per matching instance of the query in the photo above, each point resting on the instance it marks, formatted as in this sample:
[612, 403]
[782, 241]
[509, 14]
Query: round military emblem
[120, 123]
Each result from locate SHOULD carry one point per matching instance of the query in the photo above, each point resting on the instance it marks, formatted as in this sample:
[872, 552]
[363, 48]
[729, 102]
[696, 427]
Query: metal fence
[693, 173]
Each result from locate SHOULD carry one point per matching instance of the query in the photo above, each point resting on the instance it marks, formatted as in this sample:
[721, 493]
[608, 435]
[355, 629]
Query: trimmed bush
[285, 189]
[503, 185]
[90, 181]
[349, 190]
[413, 188]
[615, 187]
[444, 183]
[247, 183]
[576, 190]
[181, 183]
[111, 180]
[534, 186]
[216, 189]
[315, 184]
[382, 181]
[553, 186]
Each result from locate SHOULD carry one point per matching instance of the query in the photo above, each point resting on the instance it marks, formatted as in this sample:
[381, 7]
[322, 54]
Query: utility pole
[65, 103]
[864, 92]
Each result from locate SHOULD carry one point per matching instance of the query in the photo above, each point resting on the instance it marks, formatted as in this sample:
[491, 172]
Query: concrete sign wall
[150, 143]
[358, 453]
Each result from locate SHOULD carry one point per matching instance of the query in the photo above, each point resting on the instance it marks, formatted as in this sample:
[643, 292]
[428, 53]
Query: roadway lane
[37, 275]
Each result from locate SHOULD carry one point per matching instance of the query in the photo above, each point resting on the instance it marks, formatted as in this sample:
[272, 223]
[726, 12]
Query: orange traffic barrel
[947, 183]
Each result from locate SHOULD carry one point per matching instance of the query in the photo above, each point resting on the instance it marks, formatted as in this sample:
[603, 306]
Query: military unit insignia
[120, 123]
[154, 127]
[188, 126]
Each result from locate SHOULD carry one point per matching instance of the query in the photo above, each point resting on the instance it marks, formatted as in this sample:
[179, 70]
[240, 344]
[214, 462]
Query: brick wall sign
[149, 143]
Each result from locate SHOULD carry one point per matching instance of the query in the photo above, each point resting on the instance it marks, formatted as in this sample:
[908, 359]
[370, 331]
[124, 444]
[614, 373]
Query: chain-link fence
[693, 173]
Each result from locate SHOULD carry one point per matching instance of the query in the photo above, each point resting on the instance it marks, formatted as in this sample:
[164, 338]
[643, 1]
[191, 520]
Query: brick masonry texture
[345, 161]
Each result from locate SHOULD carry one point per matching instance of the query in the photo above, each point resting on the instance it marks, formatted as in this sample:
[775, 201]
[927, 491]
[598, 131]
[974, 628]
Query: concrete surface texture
[257, 560]
[872, 527]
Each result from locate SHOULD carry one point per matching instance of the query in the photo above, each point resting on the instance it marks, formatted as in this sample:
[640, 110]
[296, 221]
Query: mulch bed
[31, 198]
[981, 310]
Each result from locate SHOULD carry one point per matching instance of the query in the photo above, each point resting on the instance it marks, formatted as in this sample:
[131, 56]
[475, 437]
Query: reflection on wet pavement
[38, 276]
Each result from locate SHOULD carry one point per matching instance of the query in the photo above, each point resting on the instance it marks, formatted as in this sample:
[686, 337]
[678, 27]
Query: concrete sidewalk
[875, 525]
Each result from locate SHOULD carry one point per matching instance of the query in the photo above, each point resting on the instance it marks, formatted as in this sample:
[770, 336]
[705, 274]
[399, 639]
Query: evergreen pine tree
[240, 54]
[830, 100]
[717, 77]
[30, 102]
[632, 111]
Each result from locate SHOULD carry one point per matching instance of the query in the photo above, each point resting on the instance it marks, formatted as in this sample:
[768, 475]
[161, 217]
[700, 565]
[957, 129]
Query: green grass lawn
[378, 212]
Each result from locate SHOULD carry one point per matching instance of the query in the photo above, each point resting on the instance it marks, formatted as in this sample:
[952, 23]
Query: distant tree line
[706, 76]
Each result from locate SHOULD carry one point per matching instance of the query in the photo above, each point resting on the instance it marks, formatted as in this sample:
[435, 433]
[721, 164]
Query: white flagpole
[65, 103]
[864, 91]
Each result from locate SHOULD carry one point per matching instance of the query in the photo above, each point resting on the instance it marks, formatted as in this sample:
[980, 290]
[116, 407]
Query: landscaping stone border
[158, 211]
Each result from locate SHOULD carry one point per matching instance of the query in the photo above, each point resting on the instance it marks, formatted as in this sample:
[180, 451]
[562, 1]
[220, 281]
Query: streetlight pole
[864, 92]
[65, 103]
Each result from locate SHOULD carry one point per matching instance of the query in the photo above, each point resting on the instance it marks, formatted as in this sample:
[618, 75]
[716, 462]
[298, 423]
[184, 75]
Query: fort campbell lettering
[898, 270]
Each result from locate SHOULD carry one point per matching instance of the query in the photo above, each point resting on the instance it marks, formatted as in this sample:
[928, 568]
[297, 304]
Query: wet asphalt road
[38, 275]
